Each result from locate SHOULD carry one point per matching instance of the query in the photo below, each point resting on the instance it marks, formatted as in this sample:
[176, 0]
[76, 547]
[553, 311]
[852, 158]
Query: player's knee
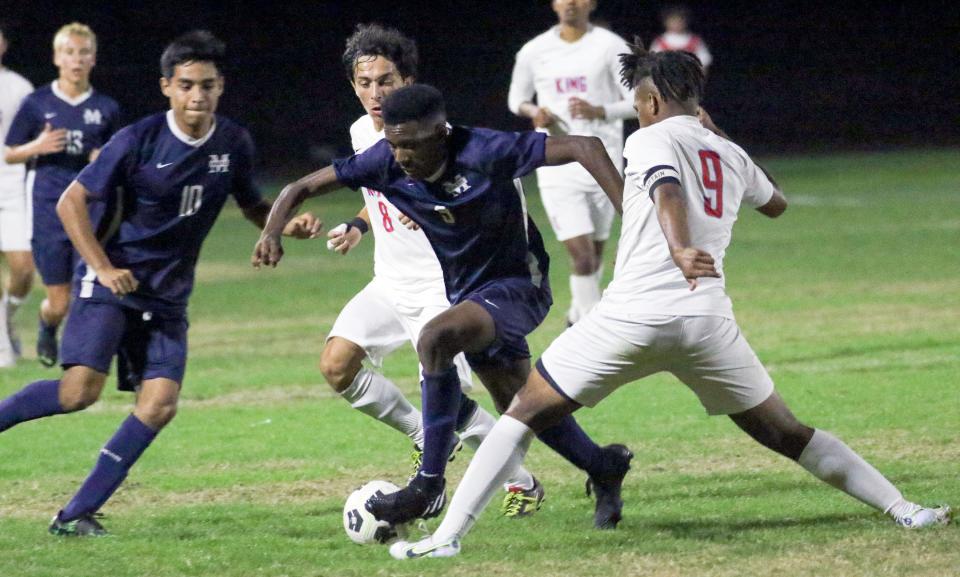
[158, 413]
[437, 345]
[21, 279]
[584, 264]
[76, 396]
[339, 367]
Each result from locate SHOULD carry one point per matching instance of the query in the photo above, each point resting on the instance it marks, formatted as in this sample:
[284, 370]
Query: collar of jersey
[556, 32]
[186, 138]
[78, 100]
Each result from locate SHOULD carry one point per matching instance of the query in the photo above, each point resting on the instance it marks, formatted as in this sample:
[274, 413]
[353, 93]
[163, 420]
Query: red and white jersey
[13, 89]
[685, 41]
[717, 176]
[402, 258]
[556, 70]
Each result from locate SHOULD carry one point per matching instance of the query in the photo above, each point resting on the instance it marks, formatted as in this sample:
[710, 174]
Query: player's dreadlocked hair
[375, 40]
[414, 102]
[196, 46]
[677, 75]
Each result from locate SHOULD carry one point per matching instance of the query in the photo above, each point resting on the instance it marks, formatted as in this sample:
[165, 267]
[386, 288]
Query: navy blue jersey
[90, 120]
[474, 215]
[163, 192]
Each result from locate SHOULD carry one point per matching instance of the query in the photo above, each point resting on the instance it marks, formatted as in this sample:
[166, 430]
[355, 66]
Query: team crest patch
[92, 116]
[219, 163]
[458, 186]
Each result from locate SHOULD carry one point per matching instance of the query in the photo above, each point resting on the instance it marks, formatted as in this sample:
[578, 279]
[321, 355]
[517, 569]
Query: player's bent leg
[340, 362]
[829, 459]
[77, 389]
[156, 407]
[52, 311]
[584, 284]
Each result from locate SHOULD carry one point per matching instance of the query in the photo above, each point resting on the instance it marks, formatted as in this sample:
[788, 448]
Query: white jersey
[403, 258]
[717, 176]
[685, 41]
[556, 70]
[13, 89]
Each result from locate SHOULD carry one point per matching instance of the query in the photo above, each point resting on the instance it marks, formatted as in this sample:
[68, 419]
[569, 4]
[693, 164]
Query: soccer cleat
[47, 344]
[520, 502]
[404, 550]
[609, 507]
[926, 517]
[416, 456]
[423, 498]
[85, 526]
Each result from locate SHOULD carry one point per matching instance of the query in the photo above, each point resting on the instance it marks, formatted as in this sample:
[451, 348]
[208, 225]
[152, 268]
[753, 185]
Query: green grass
[852, 300]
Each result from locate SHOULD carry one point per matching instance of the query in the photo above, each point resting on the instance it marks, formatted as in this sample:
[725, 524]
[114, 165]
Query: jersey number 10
[712, 183]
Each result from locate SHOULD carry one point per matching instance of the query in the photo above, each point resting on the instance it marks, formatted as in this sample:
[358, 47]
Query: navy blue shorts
[52, 251]
[147, 346]
[517, 308]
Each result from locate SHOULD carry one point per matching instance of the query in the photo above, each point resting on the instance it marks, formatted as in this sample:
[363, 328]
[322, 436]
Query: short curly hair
[375, 40]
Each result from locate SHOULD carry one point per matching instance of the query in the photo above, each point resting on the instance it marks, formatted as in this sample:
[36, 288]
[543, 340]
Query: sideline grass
[852, 299]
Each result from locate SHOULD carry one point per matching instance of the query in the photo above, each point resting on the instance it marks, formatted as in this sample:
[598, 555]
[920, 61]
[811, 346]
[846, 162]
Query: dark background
[787, 76]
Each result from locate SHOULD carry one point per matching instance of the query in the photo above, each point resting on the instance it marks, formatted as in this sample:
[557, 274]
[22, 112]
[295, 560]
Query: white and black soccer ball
[361, 526]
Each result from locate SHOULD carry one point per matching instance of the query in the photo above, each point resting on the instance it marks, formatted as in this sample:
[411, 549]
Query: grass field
[852, 299]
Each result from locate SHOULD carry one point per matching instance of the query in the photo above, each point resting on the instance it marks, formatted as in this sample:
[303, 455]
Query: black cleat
[85, 526]
[616, 460]
[47, 344]
[423, 498]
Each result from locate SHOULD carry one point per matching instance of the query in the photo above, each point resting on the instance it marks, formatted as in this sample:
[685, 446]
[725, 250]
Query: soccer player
[407, 288]
[164, 180]
[666, 310]
[59, 129]
[460, 185]
[677, 36]
[14, 214]
[572, 69]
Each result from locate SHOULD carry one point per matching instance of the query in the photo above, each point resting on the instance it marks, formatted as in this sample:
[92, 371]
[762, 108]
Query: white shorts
[16, 219]
[574, 202]
[709, 354]
[380, 324]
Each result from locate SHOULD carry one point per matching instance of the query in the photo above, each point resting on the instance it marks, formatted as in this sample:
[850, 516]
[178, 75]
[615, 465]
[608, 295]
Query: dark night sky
[786, 75]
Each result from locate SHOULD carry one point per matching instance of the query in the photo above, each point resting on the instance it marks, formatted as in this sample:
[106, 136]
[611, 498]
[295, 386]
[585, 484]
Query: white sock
[599, 277]
[832, 461]
[476, 430]
[503, 451]
[373, 394]
[584, 293]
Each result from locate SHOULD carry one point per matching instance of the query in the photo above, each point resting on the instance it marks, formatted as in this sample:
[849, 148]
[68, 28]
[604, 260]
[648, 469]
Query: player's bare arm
[49, 141]
[72, 210]
[672, 214]
[591, 154]
[347, 235]
[269, 250]
[302, 226]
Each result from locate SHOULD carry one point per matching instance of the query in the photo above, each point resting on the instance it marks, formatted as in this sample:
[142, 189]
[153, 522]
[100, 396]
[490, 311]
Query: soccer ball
[361, 526]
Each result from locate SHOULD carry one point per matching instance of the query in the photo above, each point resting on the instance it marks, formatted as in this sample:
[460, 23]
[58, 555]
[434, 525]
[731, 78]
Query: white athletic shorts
[709, 354]
[379, 323]
[576, 206]
[16, 219]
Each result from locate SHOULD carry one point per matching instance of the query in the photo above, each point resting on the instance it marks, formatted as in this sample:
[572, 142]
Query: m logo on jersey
[575, 84]
[92, 116]
[457, 187]
[219, 163]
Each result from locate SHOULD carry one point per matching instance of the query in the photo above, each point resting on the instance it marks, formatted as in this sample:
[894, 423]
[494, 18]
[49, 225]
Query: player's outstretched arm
[269, 250]
[591, 154]
[72, 210]
[672, 213]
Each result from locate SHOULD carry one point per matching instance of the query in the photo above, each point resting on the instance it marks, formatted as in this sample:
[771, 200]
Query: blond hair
[73, 29]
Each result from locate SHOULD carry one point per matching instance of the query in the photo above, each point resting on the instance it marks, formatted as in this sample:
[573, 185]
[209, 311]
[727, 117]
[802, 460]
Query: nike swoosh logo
[413, 553]
[49, 115]
[491, 304]
[161, 165]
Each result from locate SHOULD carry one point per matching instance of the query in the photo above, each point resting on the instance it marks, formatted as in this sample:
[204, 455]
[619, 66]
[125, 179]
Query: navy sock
[441, 403]
[39, 399]
[573, 444]
[116, 458]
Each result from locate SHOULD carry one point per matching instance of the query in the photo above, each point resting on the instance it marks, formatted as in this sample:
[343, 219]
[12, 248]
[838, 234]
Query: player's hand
[268, 251]
[51, 141]
[120, 281]
[544, 118]
[580, 108]
[343, 238]
[408, 222]
[303, 226]
[695, 263]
